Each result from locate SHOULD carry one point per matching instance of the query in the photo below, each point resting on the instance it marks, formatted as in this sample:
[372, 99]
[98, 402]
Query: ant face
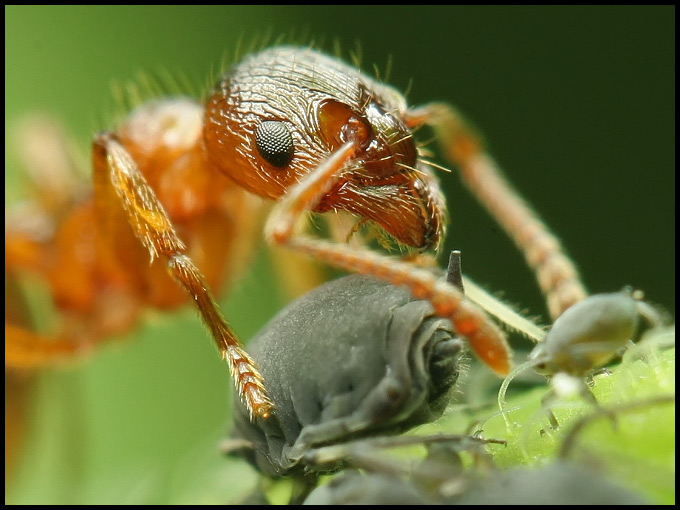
[267, 131]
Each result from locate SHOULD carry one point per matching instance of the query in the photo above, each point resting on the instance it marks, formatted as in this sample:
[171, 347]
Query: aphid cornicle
[292, 125]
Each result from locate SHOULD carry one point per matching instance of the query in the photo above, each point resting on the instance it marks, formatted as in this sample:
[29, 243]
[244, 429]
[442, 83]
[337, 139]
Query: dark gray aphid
[353, 488]
[559, 483]
[353, 358]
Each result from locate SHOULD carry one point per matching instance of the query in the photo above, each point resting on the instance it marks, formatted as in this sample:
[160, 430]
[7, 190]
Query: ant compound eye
[274, 142]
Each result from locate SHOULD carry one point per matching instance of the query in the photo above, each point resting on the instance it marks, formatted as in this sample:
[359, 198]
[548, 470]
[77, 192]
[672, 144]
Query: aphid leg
[546, 400]
[590, 378]
[570, 439]
[482, 334]
[556, 273]
[153, 228]
[588, 395]
[303, 485]
[563, 384]
[366, 453]
[443, 471]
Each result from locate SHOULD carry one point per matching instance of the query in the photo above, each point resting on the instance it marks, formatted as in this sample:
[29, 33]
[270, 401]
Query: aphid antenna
[504, 388]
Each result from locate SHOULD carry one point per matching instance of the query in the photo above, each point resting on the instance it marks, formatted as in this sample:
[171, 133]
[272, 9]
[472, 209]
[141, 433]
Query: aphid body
[353, 358]
[590, 333]
[558, 483]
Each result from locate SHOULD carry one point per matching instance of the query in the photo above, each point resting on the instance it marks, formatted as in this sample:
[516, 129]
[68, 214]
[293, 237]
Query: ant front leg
[152, 226]
[556, 273]
[448, 301]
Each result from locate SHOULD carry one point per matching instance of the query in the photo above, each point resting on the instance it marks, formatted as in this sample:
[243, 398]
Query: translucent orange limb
[43, 152]
[17, 389]
[22, 251]
[153, 228]
[27, 349]
[556, 274]
[484, 337]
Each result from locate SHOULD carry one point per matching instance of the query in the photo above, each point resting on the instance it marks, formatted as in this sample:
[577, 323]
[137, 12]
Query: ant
[289, 124]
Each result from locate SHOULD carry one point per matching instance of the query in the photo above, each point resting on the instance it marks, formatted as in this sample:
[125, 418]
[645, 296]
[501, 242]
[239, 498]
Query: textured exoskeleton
[353, 358]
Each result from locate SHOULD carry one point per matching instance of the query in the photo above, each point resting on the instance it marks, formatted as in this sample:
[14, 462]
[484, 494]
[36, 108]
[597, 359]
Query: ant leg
[449, 302]
[556, 273]
[153, 228]
[509, 317]
[54, 184]
[26, 349]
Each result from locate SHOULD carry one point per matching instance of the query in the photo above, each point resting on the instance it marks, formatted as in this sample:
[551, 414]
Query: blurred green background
[577, 105]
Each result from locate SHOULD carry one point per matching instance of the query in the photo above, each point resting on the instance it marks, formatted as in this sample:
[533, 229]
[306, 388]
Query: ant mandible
[292, 125]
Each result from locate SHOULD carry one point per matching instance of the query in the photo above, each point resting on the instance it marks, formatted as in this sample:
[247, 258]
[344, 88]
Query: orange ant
[288, 124]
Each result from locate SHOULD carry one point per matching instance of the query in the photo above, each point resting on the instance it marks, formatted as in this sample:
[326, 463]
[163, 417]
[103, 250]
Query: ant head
[279, 114]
